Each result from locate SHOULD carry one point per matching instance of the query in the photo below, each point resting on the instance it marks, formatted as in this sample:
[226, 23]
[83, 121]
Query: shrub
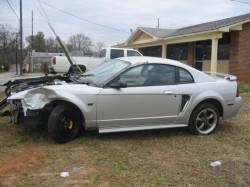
[4, 66]
[244, 87]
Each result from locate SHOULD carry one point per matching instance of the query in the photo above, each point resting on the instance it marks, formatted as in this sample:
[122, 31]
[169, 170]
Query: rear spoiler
[222, 75]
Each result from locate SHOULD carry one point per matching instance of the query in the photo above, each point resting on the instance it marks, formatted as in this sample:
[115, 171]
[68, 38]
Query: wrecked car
[128, 94]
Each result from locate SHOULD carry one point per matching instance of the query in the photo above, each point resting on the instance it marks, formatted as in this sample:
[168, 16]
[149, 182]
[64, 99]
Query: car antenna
[73, 64]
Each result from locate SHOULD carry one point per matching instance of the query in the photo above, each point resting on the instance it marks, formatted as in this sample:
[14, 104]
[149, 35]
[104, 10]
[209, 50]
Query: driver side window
[134, 76]
[149, 75]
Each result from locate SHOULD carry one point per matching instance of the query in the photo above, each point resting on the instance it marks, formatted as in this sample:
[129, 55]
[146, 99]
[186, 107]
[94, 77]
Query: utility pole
[32, 34]
[158, 23]
[21, 38]
[32, 41]
[16, 53]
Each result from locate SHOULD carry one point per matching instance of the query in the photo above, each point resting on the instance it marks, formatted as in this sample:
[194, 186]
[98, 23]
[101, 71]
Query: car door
[150, 98]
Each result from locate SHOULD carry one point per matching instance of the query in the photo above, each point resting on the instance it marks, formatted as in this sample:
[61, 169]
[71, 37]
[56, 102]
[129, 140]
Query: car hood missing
[37, 98]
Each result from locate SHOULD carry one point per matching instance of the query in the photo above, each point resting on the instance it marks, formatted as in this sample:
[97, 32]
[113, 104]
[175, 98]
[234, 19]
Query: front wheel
[64, 123]
[204, 119]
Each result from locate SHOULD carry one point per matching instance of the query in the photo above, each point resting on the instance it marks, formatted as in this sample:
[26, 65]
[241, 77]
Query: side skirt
[138, 128]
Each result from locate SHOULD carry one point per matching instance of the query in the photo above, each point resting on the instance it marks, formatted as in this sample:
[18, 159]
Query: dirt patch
[19, 159]
[23, 157]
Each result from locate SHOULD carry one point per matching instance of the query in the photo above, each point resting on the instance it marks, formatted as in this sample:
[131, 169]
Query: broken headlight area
[16, 111]
[18, 116]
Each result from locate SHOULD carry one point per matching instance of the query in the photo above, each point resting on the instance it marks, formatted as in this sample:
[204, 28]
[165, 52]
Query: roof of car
[145, 59]
[198, 75]
[120, 48]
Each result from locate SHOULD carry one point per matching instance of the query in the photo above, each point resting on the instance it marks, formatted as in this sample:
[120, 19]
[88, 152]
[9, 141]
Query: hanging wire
[12, 8]
[243, 2]
[84, 19]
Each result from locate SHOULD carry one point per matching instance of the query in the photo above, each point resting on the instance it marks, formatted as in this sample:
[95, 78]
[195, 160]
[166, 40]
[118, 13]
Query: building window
[203, 48]
[223, 52]
[224, 47]
[177, 51]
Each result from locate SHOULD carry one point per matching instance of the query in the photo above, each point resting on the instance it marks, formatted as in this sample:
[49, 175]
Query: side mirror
[118, 85]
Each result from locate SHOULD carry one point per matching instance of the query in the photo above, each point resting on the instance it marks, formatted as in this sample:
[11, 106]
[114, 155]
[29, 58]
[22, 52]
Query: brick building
[218, 46]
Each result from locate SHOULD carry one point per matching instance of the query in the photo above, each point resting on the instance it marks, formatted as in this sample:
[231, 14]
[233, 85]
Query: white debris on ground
[64, 174]
[215, 163]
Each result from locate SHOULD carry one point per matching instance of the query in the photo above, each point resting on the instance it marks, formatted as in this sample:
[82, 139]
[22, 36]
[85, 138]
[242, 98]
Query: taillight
[54, 60]
[237, 92]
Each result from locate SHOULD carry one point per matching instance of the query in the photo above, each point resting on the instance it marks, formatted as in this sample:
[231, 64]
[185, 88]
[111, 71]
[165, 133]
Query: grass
[150, 158]
[244, 88]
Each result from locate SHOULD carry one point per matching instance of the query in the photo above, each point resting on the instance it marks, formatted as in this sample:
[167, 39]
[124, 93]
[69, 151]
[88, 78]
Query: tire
[64, 123]
[204, 119]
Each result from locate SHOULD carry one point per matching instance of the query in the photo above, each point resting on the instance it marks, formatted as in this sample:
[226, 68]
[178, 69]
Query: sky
[122, 15]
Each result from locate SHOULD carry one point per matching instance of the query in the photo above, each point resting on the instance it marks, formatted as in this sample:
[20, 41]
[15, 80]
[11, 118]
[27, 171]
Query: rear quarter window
[184, 76]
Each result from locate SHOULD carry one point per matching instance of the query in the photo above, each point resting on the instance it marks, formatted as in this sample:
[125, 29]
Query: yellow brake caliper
[71, 124]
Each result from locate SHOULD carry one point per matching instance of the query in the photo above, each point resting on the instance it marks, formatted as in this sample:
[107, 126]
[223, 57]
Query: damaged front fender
[33, 99]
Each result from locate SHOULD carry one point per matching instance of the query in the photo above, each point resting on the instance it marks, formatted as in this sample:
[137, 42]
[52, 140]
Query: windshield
[105, 71]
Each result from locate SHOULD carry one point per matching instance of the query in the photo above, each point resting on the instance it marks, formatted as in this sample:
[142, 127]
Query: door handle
[168, 92]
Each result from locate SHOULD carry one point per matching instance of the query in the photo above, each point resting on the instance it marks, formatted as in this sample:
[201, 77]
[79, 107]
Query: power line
[61, 43]
[12, 8]
[83, 19]
[39, 9]
[243, 2]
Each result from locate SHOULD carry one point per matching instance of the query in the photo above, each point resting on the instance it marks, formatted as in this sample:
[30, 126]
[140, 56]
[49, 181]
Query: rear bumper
[232, 109]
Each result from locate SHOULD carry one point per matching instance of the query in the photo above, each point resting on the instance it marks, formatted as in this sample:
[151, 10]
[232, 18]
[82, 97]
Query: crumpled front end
[29, 102]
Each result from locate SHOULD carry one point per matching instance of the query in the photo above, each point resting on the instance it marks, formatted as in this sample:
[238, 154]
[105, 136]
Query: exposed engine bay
[17, 109]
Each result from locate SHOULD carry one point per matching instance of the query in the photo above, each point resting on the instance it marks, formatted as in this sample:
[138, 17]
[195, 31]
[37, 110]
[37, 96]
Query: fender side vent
[184, 100]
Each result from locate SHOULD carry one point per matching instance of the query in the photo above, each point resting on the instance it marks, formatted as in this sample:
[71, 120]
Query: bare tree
[7, 46]
[98, 48]
[52, 45]
[81, 44]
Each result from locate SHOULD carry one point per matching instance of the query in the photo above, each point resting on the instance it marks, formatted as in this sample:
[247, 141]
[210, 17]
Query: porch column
[164, 51]
[214, 55]
[191, 54]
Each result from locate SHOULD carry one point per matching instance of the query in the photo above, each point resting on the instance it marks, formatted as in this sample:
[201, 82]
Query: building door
[202, 53]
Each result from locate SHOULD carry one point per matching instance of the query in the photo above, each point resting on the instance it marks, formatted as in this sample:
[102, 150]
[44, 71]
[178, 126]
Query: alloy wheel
[206, 121]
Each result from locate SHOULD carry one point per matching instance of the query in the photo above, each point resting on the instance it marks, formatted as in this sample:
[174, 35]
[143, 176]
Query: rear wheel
[204, 119]
[64, 123]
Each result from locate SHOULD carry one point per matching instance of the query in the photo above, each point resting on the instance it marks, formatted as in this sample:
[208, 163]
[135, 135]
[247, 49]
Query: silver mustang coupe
[129, 94]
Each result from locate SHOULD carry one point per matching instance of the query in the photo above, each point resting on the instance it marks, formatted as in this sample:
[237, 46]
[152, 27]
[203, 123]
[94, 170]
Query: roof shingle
[209, 26]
